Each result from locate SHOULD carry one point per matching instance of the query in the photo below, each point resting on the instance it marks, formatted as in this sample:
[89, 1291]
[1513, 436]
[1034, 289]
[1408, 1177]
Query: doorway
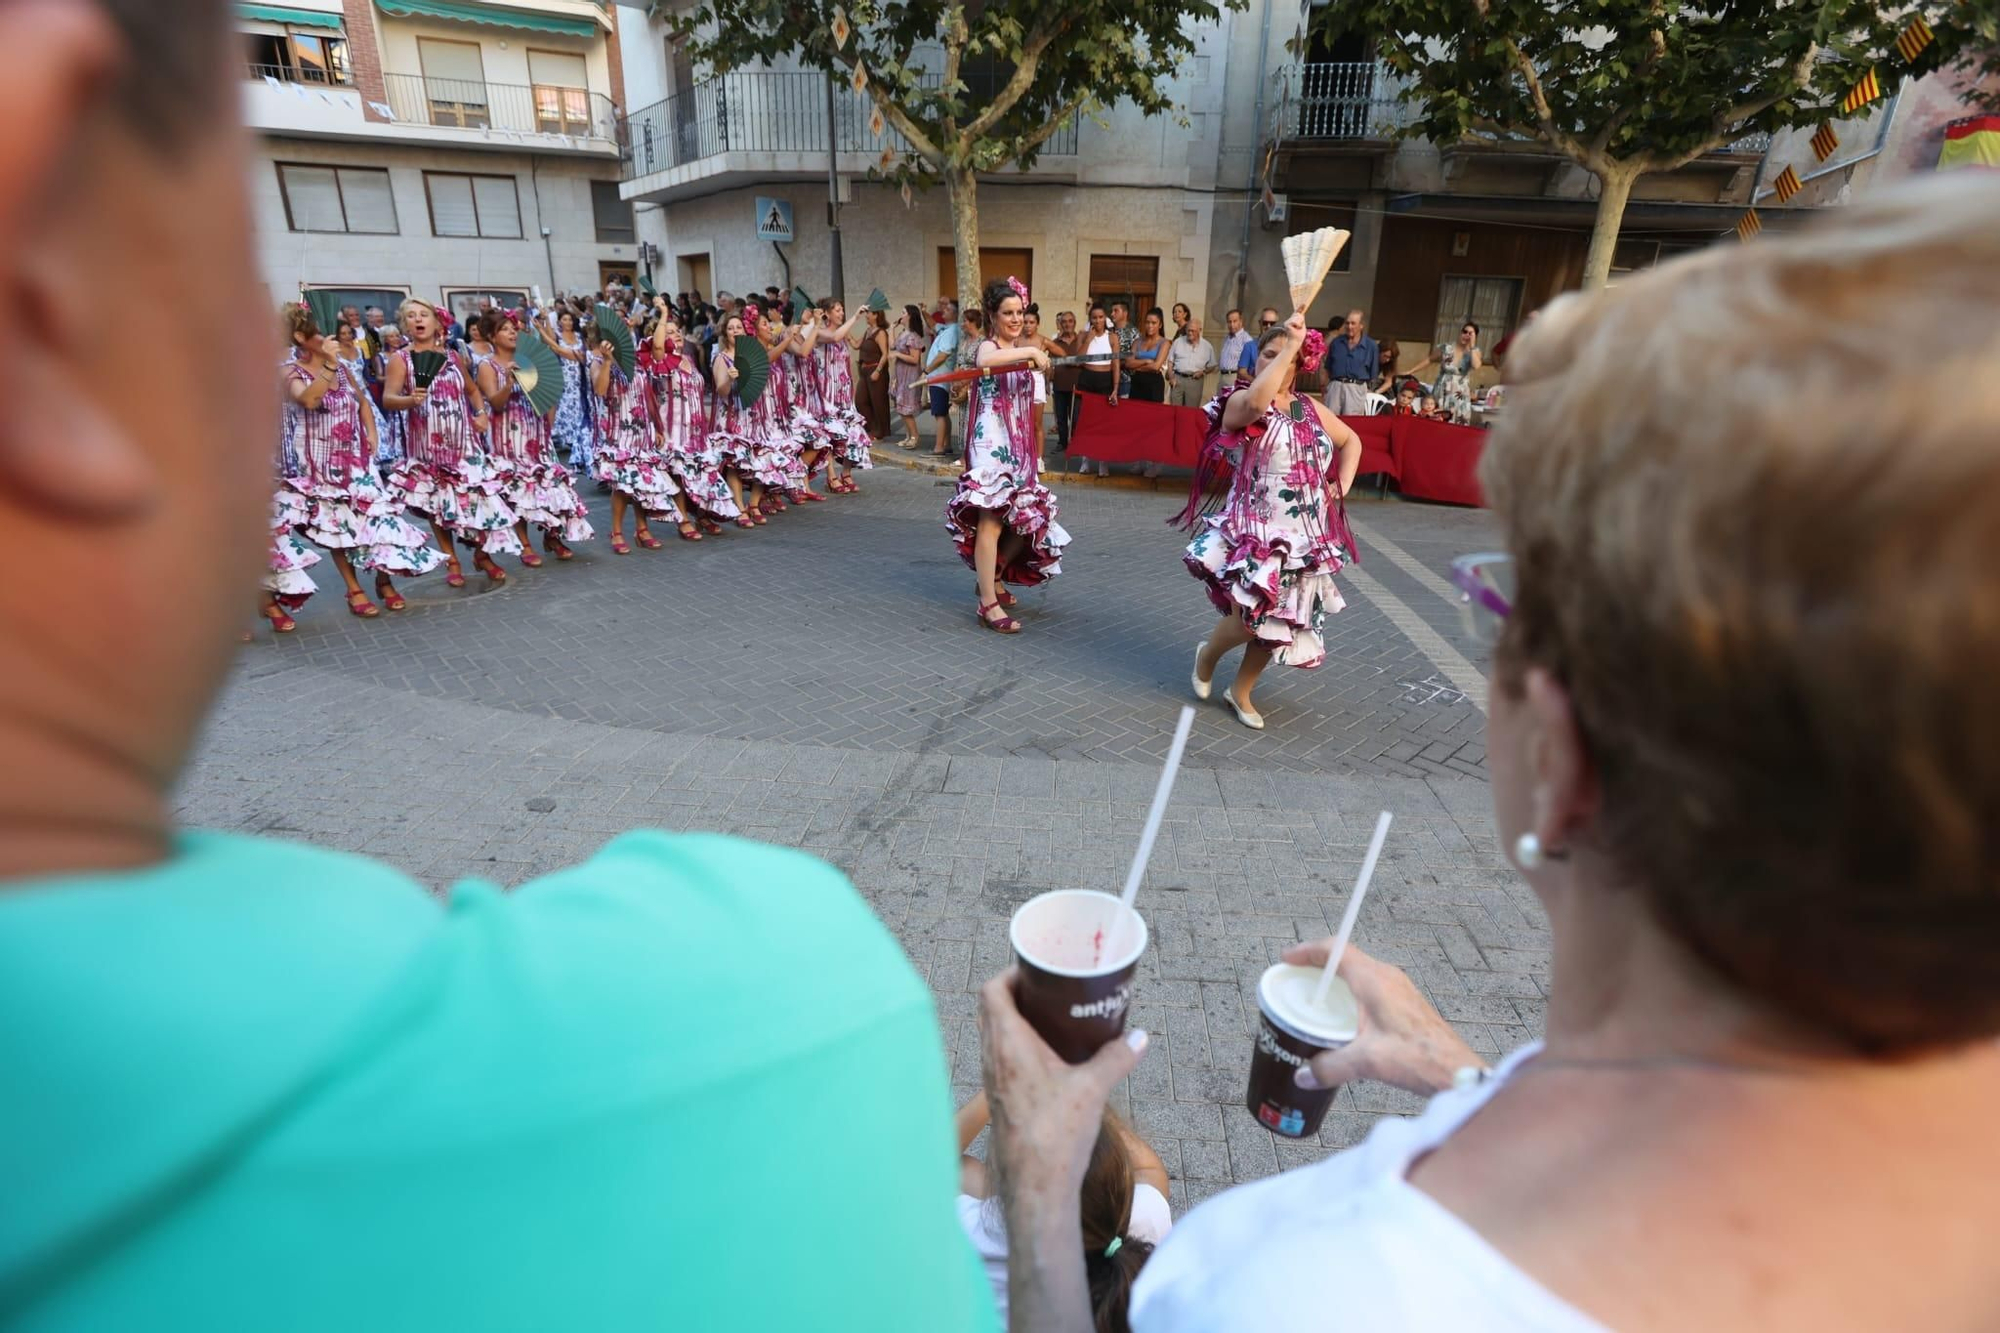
[695, 277]
[619, 272]
[993, 264]
[1133, 279]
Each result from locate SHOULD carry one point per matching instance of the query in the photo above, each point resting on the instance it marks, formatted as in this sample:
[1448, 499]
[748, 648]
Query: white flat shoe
[1249, 718]
[1202, 688]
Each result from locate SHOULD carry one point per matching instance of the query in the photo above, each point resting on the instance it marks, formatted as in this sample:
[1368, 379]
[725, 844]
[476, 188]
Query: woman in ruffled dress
[538, 487]
[572, 430]
[445, 472]
[354, 360]
[790, 408]
[691, 455]
[286, 585]
[1002, 518]
[1269, 555]
[629, 456]
[328, 489]
[831, 370]
[731, 430]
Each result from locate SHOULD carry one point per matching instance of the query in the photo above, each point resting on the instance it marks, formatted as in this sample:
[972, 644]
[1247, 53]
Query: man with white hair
[1353, 364]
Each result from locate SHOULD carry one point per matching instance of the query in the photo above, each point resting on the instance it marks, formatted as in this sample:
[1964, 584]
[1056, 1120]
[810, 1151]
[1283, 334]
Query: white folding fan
[1309, 258]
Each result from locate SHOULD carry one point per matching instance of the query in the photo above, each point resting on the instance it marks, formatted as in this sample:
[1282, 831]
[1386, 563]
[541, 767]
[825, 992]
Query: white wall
[415, 258]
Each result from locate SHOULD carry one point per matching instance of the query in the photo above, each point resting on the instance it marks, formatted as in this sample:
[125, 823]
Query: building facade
[438, 148]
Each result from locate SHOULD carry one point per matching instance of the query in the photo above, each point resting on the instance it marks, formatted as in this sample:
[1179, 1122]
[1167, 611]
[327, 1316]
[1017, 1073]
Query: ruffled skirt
[467, 499]
[1283, 598]
[699, 473]
[362, 518]
[285, 577]
[847, 436]
[544, 495]
[642, 475]
[1028, 509]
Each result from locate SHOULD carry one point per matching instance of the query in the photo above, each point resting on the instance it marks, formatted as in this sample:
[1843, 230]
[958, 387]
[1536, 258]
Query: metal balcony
[507, 108]
[1353, 101]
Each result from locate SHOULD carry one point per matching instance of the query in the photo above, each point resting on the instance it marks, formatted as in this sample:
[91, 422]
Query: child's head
[1111, 1258]
[1406, 394]
[1430, 403]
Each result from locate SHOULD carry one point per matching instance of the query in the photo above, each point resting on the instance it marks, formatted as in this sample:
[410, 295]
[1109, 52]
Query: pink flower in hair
[1313, 351]
[1020, 288]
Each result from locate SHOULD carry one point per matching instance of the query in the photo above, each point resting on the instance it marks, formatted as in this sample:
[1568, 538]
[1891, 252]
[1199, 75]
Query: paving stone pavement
[821, 684]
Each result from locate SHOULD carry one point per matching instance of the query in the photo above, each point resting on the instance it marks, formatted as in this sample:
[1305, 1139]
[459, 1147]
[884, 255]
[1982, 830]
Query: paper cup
[1290, 1033]
[1077, 951]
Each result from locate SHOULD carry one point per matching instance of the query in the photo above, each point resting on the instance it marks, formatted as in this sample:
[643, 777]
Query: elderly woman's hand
[1403, 1040]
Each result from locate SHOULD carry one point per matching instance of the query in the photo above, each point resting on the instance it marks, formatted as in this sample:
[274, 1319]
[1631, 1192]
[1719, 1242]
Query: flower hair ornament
[1312, 351]
[1020, 288]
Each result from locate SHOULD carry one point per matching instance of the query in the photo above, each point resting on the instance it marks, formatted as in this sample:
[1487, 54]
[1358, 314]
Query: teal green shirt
[691, 1084]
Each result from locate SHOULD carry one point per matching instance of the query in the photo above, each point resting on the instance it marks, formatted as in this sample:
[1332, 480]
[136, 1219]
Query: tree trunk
[1615, 187]
[964, 192]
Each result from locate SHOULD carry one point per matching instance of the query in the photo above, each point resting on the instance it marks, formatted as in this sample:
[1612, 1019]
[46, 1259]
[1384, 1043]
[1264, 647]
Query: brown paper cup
[1288, 1037]
[1077, 951]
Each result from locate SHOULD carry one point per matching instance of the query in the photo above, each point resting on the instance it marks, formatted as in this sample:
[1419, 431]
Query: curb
[1170, 483]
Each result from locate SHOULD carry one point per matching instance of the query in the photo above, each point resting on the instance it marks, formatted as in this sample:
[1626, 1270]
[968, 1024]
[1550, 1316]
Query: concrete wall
[416, 259]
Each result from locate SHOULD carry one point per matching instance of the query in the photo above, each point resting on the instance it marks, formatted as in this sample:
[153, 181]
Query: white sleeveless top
[1349, 1237]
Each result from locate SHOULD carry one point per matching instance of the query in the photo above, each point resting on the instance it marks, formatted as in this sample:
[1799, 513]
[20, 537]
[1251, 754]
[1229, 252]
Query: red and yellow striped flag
[1748, 225]
[1787, 184]
[1824, 142]
[1913, 39]
[1861, 94]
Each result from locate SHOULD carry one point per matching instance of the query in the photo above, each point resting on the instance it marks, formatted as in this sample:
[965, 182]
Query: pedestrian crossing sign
[774, 219]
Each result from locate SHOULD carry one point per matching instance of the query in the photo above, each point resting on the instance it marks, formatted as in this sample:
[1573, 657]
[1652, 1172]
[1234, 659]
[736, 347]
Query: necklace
[1296, 410]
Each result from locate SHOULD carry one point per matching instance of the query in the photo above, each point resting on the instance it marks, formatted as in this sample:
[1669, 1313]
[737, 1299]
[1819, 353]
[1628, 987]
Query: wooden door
[993, 264]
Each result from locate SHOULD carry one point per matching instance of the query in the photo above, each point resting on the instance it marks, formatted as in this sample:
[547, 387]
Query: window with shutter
[499, 205]
[613, 214]
[366, 198]
[312, 198]
[452, 211]
[454, 81]
[561, 92]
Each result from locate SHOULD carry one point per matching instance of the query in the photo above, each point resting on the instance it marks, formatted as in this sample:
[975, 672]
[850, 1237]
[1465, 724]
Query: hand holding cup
[1402, 1040]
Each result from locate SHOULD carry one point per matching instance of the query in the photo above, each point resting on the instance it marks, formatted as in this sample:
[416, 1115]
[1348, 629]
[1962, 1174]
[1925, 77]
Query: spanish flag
[1911, 42]
[1748, 226]
[1972, 142]
[1861, 94]
[1825, 141]
[1787, 184]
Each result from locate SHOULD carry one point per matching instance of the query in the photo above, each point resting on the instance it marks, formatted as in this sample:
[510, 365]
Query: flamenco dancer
[629, 457]
[790, 425]
[731, 433]
[691, 456]
[286, 585]
[832, 372]
[329, 490]
[538, 487]
[445, 472]
[1269, 556]
[572, 431]
[1002, 518]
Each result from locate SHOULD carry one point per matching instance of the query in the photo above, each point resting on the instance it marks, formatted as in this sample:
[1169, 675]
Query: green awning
[466, 11]
[298, 18]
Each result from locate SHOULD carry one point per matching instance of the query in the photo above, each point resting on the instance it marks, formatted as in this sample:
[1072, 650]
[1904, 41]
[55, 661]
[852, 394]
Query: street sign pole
[839, 286]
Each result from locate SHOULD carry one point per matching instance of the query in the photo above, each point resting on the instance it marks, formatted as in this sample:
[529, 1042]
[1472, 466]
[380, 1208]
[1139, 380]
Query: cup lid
[1285, 994]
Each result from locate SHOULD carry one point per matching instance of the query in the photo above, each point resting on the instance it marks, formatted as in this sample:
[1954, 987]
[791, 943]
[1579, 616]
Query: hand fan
[801, 303]
[646, 286]
[1309, 257]
[877, 301]
[325, 308]
[612, 328]
[428, 366]
[539, 371]
[753, 370]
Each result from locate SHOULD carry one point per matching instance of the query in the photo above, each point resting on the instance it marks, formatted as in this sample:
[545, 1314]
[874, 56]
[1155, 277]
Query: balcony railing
[307, 74]
[1354, 100]
[473, 104]
[765, 111]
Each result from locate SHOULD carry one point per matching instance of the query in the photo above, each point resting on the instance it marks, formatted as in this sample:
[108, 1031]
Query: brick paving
[821, 683]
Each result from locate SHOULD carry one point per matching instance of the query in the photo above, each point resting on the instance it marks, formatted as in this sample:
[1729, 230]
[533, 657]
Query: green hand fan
[646, 286]
[753, 369]
[612, 328]
[325, 308]
[428, 366]
[877, 301]
[801, 303]
[540, 373]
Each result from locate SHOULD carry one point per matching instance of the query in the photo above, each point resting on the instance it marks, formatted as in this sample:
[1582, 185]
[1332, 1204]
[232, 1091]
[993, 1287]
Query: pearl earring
[1527, 851]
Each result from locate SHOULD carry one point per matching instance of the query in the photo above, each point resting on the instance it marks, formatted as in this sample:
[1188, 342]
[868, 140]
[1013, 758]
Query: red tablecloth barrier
[1430, 460]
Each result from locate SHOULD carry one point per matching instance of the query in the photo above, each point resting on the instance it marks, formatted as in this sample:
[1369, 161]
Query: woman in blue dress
[572, 427]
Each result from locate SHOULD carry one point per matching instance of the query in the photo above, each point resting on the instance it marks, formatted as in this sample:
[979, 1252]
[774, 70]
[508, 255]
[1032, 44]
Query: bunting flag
[1824, 141]
[876, 124]
[1748, 225]
[1972, 142]
[1913, 39]
[1864, 92]
[840, 28]
[859, 79]
[887, 160]
[1787, 185]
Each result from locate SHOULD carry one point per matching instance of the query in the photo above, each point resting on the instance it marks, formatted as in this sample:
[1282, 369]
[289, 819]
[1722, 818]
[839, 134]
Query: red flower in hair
[1313, 351]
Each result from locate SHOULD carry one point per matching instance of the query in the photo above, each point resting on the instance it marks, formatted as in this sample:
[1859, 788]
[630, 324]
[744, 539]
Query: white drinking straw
[1159, 810]
[1353, 910]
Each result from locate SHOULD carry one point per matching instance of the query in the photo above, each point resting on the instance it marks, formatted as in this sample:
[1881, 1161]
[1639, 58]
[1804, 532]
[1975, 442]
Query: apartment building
[442, 148]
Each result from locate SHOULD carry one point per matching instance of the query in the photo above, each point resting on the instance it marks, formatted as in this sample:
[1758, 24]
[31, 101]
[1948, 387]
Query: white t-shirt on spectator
[984, 1226]
[1347, 1243]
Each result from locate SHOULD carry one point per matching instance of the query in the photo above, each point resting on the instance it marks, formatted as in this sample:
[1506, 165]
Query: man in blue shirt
[1353, 363]
[943, 346]
[1239, 351]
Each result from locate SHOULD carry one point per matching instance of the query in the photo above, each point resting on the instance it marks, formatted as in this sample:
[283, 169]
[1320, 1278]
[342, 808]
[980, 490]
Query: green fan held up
[612, 328]
[753, 370]
[325, 308]
[539, 372]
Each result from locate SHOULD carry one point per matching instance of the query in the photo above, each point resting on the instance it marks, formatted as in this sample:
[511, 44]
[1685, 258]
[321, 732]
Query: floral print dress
[628, 457]
[903, 376]
[328, 490]
[1002, 472]
[1270, 555]
[1454, 384]
[537, 486]
[832, 372]
[572, 429]
[691, 453]
[445, 472]
[729, 431]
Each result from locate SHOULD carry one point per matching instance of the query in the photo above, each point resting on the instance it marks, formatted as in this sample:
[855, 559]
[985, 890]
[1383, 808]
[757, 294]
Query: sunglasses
[1485, 583]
